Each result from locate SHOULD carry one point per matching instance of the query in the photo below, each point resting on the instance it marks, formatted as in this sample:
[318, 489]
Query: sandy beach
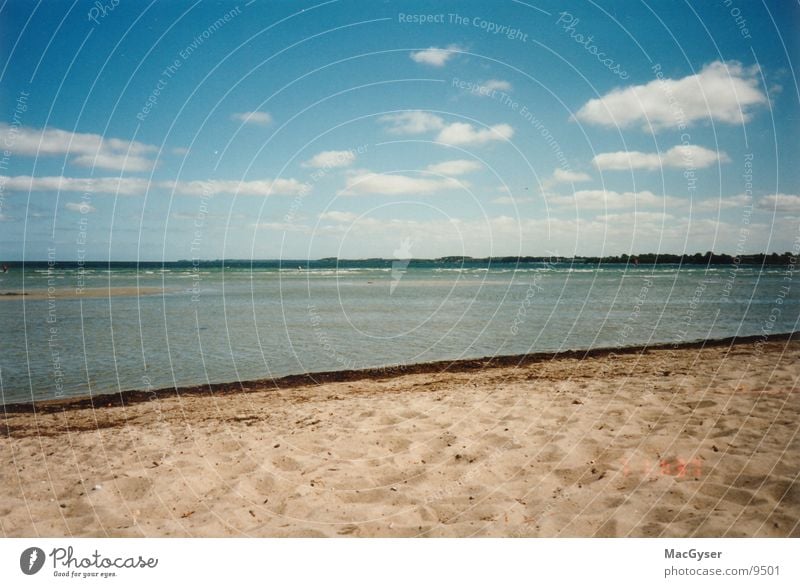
[700, 440]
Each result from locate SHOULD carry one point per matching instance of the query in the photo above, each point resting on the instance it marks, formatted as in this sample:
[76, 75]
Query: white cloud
[454, 167]
[497, 84]
[506, 197]
[280, 226]
[114, 161]
[512, 200]
[602, 199]
[413, 122]
[615, 232]
[456, 133]
[681, 156]
[488, 87]
[132, 186]
[637, 217]
[54, 141]
[213, 187]
[462, 133]
[716, 204]
[331, 159]
[723, 92]
[86, 149]
[82, 207]
[108, 185]
[507, 235]
[391, 184]
[435, 56]
[256, 118]
[336, 216]
[780, 203]
[567, 176]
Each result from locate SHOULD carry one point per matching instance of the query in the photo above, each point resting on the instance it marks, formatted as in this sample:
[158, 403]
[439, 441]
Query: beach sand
[669, 442]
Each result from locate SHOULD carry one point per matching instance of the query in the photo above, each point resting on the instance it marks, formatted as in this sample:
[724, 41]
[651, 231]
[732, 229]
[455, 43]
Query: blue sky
[175, 130]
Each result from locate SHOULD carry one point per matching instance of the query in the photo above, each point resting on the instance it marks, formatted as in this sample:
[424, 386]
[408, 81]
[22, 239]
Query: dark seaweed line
[133, 396]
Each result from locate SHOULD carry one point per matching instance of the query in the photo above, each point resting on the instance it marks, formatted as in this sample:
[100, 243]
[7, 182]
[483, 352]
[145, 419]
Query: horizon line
[629, 256]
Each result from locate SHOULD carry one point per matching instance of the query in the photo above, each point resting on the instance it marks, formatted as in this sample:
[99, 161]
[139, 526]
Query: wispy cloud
[465, 134]
[586, 233]
[722, 91]
[496, 84]
[566, 176]
[456, 133]
[133, 186]
[602, 199]
[435, 56]
[183, 216]
[637, 217]
[280, 226]
[780, 203]
[86, 150]
[506, 196]
[681, 156]
[487, 88]
[513, 200]
[716, 204]
[120, 161]
[337, 216]
[214, 187]
[394, 184]
[331, 159]
[254, 118]
[127, 186]
[82, 207]
[413, 122]
[454, 167]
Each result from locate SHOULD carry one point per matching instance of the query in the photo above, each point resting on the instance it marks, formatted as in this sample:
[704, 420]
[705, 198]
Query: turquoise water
[220, 324]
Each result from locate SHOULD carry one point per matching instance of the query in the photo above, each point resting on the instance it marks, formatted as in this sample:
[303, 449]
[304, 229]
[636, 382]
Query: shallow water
[227, 323]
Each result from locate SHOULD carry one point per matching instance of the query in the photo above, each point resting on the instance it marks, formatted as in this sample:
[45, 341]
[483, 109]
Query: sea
[98, 328]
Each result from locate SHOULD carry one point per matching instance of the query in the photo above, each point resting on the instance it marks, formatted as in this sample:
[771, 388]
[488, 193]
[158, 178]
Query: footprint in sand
[133, 488]
[549, 454]
[287, 464]
[706, 403]
[726, 493]
[607, 530]
[785, 491]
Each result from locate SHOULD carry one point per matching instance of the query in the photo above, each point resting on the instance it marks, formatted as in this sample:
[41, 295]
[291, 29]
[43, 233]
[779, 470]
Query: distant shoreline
[134, 396]
[702, 259]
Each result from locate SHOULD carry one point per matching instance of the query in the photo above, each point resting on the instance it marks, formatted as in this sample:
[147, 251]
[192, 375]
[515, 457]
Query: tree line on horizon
[707, 258]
